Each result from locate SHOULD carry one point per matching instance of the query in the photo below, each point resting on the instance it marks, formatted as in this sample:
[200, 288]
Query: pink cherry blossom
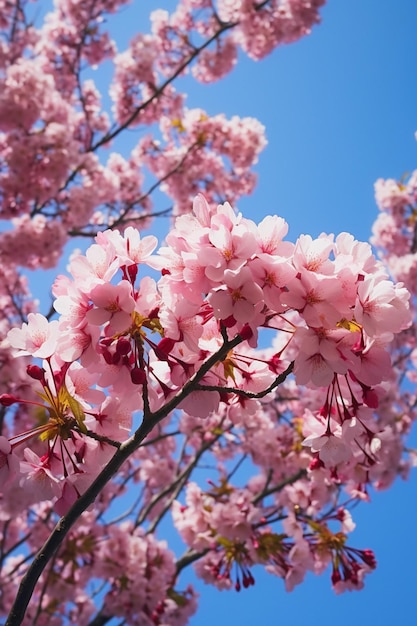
[331, 448]
[114, 304]
[39, 473]
[313, 254]
[130, 248]
[37, 337]
[322, 354]
[239, 298]
[382, 307]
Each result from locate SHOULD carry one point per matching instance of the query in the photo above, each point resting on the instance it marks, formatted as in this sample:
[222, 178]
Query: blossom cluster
[126, 344]
[394, 229]
[227, 529]
[142, 591]
[221, 275]
[55, 175]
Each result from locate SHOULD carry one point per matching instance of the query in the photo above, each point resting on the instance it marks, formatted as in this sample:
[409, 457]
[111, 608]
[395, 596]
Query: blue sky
[340, 111]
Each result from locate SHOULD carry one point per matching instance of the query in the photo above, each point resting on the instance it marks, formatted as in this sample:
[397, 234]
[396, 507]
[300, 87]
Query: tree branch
[249, 394]
[64, 525]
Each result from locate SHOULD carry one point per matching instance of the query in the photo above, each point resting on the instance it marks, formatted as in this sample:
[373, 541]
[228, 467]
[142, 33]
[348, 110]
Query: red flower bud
[35, 372]
[6, 399]
[368, 557]
[137, 376]
[123, 346]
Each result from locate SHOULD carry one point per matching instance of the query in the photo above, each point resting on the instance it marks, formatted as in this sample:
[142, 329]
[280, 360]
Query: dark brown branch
[101, 438]
[288, 481]
[249, 394]
[127, 448]
[189, 557]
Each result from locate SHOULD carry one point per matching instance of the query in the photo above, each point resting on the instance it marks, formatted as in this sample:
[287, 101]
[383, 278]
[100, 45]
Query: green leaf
[75, 406]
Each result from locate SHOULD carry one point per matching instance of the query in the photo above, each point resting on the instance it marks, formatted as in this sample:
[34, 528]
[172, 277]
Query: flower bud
[123, 346]
[137, 376]
[6, 399]
[35, 372]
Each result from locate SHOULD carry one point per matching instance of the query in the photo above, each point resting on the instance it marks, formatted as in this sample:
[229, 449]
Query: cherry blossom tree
[146, 376]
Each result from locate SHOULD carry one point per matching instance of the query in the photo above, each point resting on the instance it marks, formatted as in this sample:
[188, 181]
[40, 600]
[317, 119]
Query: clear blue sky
[340, 111]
